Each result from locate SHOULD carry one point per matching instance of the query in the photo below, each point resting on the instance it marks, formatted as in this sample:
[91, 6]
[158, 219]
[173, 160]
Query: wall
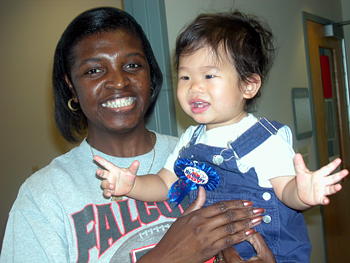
[29, 32]
[285, 18]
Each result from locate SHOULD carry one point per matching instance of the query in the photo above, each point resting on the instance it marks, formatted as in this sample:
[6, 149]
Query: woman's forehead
[115, 41]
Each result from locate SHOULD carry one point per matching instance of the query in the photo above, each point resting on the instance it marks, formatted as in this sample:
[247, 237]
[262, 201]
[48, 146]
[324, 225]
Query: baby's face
[208, 88]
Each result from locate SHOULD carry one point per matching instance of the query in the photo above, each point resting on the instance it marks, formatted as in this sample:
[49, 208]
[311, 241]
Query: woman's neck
[129, 143]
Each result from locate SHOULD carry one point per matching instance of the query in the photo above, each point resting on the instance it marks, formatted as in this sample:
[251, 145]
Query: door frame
[320, 20]
[319, 130]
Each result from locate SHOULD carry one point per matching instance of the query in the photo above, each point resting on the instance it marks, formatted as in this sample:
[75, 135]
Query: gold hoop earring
[70, 106]
[152, 92]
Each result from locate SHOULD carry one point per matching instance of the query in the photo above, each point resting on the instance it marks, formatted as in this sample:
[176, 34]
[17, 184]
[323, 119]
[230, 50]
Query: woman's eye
[209, 76]
[92, 71]
[133, 65]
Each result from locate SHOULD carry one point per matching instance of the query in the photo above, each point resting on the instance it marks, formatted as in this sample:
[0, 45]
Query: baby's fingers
[101, 173]
[108, 188]
[337, 177]
[108, 165]
[329, 168]
[343, 174]
[105, 184]
[299, 163]
[107, 193]
[330, 191]
[333, 179]
[333, 185]
[134, 167]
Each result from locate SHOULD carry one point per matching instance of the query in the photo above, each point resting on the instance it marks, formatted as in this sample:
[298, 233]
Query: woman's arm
[199, 234]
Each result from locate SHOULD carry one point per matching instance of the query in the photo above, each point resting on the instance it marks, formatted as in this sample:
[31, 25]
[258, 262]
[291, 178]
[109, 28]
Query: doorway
[329, 100]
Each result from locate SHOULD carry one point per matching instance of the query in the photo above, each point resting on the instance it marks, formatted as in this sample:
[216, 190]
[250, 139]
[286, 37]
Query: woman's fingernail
[249, 232]
[257, 219]
[247, 203]
[258, 210]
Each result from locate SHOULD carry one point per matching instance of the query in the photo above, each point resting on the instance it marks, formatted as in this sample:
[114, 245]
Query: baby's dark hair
[248, 42]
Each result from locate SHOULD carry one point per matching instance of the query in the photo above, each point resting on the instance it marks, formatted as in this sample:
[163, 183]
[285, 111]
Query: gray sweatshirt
[60, 214]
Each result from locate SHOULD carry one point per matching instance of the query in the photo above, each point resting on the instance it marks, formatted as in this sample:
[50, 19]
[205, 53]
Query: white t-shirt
[271, 159]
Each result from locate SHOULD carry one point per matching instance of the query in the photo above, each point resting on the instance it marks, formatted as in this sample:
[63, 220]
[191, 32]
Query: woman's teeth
[118, 103]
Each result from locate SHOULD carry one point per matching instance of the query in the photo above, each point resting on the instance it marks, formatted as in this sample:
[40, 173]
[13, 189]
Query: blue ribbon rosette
[192, 174]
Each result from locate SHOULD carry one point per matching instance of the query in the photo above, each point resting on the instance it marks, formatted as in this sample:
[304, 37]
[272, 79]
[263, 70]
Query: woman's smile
[119, 102]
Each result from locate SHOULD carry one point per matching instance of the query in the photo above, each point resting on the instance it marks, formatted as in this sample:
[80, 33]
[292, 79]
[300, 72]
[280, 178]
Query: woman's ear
[251, 88]
[75, 98]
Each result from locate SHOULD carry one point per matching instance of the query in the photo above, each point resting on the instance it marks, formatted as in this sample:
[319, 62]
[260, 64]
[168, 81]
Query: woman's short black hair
[71, 124]
[247, 40]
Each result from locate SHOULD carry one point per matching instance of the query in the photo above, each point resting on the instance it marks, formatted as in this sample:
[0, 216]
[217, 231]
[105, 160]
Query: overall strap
[254, 136]
[196, 134]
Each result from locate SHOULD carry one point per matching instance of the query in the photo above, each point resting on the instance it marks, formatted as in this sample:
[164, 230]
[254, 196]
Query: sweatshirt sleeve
[29, 236]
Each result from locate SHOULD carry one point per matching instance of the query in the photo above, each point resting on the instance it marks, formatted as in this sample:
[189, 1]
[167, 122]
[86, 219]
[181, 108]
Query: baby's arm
[307, 188]
[123, 181]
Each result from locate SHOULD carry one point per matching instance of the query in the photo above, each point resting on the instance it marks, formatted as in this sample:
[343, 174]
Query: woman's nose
[117, 79]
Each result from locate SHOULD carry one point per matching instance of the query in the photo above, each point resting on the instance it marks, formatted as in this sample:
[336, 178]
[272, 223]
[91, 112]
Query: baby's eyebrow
[182, 68]
[201, 69]
[204, 68]
[211, 69]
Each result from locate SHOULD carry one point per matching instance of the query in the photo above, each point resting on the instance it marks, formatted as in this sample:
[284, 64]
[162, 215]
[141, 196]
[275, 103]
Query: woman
[106, 81]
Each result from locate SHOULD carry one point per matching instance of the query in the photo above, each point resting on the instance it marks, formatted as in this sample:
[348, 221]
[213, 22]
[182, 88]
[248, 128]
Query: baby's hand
[118, 181]
[314, 187]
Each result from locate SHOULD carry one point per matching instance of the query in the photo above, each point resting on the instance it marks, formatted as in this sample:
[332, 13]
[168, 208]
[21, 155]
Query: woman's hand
[199, 234]
[264, 254]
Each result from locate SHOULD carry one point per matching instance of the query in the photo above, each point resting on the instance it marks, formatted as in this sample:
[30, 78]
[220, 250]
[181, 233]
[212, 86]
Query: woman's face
[111, 80]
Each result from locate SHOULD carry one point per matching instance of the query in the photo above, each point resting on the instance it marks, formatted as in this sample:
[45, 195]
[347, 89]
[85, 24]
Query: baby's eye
[209, 76]
[184, 78]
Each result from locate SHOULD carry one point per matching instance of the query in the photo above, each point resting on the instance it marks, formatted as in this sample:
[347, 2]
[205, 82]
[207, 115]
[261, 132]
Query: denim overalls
[283, 229]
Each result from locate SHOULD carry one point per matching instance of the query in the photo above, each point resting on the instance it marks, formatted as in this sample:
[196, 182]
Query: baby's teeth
[199, 104]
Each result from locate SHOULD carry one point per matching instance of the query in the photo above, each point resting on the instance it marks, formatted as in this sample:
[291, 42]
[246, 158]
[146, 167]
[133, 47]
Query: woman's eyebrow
[87, 60]
[135, 54]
